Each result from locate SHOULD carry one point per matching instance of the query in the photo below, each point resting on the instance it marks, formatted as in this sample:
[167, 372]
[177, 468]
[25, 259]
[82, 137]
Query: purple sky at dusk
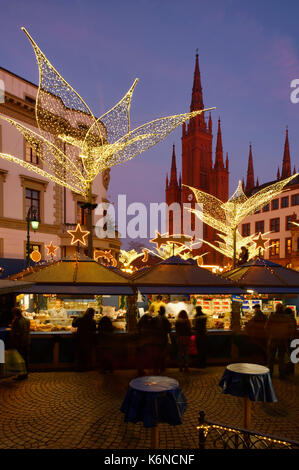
[248, 55]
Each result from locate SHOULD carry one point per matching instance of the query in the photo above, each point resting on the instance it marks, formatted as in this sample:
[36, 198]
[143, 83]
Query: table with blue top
[153, 400]
[250, 381]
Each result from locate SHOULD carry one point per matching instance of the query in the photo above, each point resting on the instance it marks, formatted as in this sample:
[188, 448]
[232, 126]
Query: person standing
[280, 328]
[162, 328]
[255, 330]
[105, 344]
[200, 329]
[156, 304]
[146, 342]
[85, 339]
[183, 334]
[20, 337]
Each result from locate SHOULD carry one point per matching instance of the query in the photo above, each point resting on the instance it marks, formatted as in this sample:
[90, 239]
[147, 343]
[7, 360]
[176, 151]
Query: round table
[250, 381]
[153, 400]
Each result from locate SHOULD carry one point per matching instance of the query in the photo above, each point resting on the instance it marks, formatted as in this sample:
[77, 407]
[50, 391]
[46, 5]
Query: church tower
[198, 169]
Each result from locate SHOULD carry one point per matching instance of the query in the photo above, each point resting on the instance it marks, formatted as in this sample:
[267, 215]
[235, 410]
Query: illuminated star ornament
[51, 249]
[78, 235]
[260, 242]
[75, 146]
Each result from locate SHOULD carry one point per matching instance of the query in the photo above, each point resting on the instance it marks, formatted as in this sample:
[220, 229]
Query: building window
[266, 208]
[31, 154]
[245, 230]
[275, 204]
[260, 226]
[81, 214]
[295, 199]
[32, 199]
[274, 248]
[30, 100]
[275, 224]
[285, 201]
[288, 246]
[289, 220]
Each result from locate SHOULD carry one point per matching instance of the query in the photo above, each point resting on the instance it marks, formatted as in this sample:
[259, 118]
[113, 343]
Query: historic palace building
[58, 209]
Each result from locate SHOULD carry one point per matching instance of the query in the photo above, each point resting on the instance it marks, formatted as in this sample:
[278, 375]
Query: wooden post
[247, 412]
[132, 312]
[155, 437]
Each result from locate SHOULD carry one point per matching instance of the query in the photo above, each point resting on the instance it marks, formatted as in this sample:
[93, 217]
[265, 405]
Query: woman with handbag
[183, 334]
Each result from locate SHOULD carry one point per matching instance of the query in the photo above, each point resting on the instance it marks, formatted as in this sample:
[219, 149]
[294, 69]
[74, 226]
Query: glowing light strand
[73, 145]
[226, 216]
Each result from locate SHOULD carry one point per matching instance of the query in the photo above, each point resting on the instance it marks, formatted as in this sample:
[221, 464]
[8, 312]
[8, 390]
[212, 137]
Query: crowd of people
[268, 336]
[272, 336]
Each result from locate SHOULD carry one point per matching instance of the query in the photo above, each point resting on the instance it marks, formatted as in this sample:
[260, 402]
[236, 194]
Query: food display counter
[217, 308]
[55, 313]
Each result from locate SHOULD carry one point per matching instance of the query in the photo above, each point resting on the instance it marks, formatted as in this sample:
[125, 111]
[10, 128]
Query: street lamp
[32, 220]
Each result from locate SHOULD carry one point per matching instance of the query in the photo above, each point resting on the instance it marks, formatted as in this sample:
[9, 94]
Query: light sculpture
[73, 145]
[226, 216]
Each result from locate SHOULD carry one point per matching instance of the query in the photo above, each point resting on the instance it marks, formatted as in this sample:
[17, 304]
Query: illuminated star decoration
[226, 216]
[73, 145]
[126, 259]
[260, 242]
[51, 249]
[78, 235]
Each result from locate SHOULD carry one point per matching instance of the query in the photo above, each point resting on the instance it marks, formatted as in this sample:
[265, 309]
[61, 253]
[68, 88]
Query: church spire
[286, 163]
[250, 172]
[219, 149]
[197, 100]
[173, 172]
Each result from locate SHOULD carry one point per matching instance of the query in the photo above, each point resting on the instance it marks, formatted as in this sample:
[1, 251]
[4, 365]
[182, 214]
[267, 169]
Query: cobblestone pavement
[68, 410]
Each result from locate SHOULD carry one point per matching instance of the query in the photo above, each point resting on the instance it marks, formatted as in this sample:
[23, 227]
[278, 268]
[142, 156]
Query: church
[199, 169]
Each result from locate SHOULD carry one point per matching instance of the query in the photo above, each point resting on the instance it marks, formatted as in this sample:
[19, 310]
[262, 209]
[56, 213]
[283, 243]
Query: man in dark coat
[280, 329]
[20, 337]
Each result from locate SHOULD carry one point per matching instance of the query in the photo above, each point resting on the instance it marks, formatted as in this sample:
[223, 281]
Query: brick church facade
[199, 169]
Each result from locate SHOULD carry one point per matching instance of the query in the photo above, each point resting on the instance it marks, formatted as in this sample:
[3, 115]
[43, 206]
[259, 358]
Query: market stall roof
[178, 276]
[70, 276]
[8, 287]
[265, 277]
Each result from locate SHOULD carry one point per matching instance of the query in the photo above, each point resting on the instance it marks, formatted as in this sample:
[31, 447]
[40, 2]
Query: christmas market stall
[61, 291]
[183, 285]
[265, 283]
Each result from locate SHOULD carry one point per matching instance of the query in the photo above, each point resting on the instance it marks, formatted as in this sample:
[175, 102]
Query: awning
[8, 287]
[185, 290]
[78, 289]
